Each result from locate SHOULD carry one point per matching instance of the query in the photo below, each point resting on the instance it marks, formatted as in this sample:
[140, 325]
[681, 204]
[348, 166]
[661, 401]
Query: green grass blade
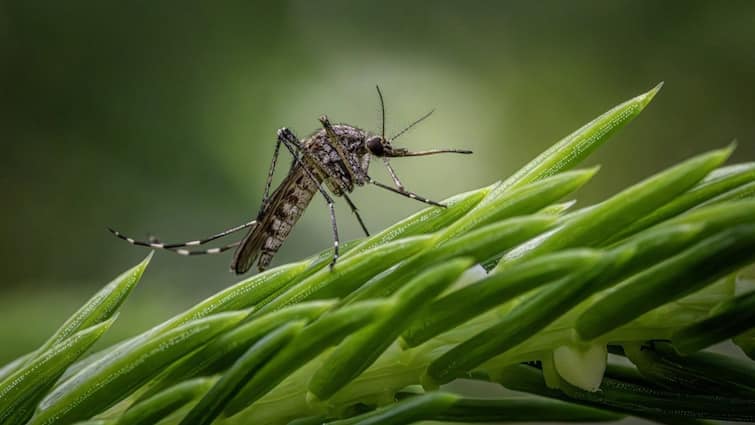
[239, 296]
[101, 306]
[11, 367]
[719, 216]
[682, 274]
[520, 323]
[527, 200]
[746, 341]
[520, 201]
[492, 240]
[447, 407]
[728, 320]
[708, 220]
[702, 373]
[408, 411]
[212, 404]
[102, 384]
[742, 192]
[652, 246]
[572, 149]
[309, 420]
[348, 274]
[22, 390]
[718, 182]
[557, 209]
[330, 329]
[480, 245]
[522, 409]
[245, 294]
[597, 224]
[462, 305]
[633, 398]
[428, 220]
[222, 351]
[162, 404]
[359, 350]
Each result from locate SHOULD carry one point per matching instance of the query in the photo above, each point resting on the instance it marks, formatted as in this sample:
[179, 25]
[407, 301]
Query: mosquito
[333, 160]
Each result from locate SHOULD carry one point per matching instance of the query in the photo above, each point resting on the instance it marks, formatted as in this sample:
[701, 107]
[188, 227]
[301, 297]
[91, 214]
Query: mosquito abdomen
[284, 214]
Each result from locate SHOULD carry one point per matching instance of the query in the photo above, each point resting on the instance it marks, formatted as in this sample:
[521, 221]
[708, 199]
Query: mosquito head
[377, 145]
[381, 145]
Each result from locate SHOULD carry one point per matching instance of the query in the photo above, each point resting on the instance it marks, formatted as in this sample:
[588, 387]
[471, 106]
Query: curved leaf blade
[595, 225]
[212, 404]
[360, 349]
[222, 351]
[575, 147]
[682, 274]
[315, 338]
[162, 404]
[462, 305]
[20, 392]
[102, 384]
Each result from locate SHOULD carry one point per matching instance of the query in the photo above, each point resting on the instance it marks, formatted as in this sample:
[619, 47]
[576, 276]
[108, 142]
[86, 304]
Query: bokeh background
[160, 118]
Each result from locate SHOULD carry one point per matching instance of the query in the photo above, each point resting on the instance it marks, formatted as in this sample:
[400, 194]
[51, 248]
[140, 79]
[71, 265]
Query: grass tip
[593, 170]
[647, 97]
[148, 258]
[585, 174]
[313, 400]
[725, 152]
[110, 320]
[733, 144]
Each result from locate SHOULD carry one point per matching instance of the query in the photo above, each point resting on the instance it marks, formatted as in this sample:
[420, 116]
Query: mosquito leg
[350, 167]
[336, 242]
[325, 122]
[269, 182]
[292, 144]
[406, 193]
[153, 243]
[207, 251]
[392, 172]
[288, 138]
[356, 213]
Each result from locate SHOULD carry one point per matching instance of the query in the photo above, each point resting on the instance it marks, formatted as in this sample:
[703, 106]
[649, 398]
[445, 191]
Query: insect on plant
[337, 156]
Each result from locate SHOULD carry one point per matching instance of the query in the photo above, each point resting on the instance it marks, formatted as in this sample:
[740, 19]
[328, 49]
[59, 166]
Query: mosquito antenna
[382, 112]
[422, 118]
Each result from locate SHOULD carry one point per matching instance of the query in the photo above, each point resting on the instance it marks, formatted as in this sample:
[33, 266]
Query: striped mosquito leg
[336, 242]
[269, 182]
[404, 192]
[175, 246]
[292, 144]
[392, 172]
[208, 251]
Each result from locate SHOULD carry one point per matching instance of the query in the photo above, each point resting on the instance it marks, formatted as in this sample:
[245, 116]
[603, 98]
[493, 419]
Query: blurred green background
[160, 117]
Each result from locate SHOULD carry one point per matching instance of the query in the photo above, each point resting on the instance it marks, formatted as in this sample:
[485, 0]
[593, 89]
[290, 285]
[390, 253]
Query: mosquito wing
[248, 249]
[275, 222]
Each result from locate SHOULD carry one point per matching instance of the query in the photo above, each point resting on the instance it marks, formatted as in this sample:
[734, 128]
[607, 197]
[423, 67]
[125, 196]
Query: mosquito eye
[375, 145]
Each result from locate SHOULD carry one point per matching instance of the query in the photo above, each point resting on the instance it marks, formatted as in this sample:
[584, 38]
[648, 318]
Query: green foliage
[411, 305]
